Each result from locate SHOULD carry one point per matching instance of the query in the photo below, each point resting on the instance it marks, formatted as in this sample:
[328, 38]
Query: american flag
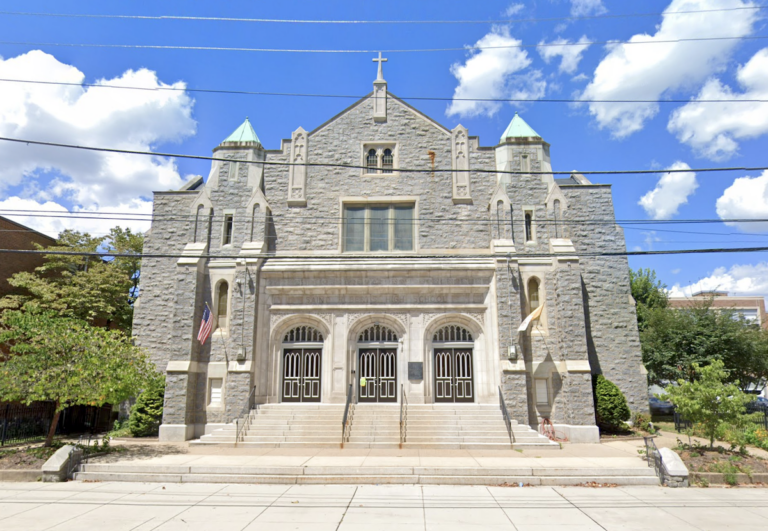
[205, 326]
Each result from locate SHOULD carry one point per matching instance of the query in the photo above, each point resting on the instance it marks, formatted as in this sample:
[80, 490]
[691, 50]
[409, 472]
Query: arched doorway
[302, 363]
[377, 365]
[453, 346]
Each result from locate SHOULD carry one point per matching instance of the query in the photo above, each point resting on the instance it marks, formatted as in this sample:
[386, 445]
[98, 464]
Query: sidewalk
[167, 507]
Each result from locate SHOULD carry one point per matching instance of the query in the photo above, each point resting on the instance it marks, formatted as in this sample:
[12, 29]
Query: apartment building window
[378, 228]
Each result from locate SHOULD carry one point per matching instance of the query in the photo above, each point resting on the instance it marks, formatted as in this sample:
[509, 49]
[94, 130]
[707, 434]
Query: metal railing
[403, 416]
[346, 422]
[507, 419]
[241, 427]
[759, 420]
[653, 457]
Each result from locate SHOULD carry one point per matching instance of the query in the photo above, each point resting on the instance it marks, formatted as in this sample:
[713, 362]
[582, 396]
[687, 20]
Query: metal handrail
[246, 416]
[403, 416]
[653, 457]
[507, 419]
[346, 421]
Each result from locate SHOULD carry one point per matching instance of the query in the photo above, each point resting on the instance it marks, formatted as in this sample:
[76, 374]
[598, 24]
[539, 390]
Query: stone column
[514, 381]
[577, 405]
[181, 393]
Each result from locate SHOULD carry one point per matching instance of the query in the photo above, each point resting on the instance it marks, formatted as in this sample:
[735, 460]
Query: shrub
[147, 412]
[610, 404]
[642, 421]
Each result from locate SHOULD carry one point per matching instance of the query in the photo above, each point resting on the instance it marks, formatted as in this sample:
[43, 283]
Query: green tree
[674, 340]
[69, 362]
[147, 412]
[649, 293]
[610, 404]
[98, 290]
[709, 401]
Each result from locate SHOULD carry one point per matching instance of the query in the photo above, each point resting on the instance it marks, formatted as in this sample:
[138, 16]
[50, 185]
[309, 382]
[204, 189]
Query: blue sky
[586, 136]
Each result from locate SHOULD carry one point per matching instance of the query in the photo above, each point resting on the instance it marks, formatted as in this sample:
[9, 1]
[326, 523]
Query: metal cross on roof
[379, 60]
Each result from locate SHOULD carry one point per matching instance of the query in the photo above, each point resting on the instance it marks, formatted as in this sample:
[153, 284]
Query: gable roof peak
[244, 133]
[518, 128]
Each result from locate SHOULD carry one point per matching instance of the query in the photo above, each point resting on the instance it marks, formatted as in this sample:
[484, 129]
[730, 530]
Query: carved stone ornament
[298, 168]
[326, 318]
[460, 165]
[478, 317]
[354, 316]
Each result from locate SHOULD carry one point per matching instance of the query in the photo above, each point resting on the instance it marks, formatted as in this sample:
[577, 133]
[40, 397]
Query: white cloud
[670, 192]
[738, 280]
[648, 71]
[51, 218]
[494, 73]
[123, 119]
[580, 8]
[746, 198]
[712, 129]
[513, 9]
[569, 52]
[676, 271]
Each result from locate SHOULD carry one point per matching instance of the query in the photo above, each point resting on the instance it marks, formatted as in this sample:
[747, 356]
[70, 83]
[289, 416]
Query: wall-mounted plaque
[415, 370]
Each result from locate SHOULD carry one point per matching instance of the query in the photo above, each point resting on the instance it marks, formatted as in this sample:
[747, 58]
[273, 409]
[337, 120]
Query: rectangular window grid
[378, 228]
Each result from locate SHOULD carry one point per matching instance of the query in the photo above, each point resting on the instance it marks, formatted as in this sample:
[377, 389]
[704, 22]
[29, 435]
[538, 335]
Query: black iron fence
[20, 423]
[759, 419]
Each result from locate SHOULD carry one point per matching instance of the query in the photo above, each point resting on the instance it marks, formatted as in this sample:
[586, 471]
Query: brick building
[16, 236]
[751, 308]
[388, 280]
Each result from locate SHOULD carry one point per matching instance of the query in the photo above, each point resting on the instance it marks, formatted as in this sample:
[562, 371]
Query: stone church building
[384, 251]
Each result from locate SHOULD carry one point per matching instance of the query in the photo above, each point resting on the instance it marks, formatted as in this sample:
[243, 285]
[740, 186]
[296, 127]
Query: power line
[354, 51]
[309, 219]
[377, 22]
[361, 167]
[346, 256]
[358, 97]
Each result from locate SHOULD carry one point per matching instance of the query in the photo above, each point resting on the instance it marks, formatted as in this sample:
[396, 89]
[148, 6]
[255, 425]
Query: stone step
[365, 479]
[138, 467]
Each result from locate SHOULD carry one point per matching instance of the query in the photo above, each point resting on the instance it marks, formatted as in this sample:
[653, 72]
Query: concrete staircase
[438, 426]
[139, 471]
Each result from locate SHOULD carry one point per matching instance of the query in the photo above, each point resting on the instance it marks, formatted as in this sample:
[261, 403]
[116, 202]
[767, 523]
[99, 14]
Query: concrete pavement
[152, 506]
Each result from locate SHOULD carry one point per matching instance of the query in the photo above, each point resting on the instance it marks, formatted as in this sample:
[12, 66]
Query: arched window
[387, 161]
[452, 334]
[222, 303]
[254, 219]
[303, 334]
[199, 224]
[556, 208]
[499, 217]
[533, 294]
[372, 161]
[529, 226]
[377, 334]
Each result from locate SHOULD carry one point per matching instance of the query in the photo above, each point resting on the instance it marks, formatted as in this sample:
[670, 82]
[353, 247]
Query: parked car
[660, 407]
[759, 404]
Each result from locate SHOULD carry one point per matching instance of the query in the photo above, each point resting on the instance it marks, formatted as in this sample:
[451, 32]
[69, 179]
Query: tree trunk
[52, 430]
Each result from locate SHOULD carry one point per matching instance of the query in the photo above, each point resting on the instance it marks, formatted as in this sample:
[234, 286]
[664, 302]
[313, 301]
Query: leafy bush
[610, 404]
[752, 435]
[147, 412]
[641, 421]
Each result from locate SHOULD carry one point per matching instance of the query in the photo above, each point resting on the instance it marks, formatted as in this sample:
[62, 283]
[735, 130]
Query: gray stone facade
[262, 245]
